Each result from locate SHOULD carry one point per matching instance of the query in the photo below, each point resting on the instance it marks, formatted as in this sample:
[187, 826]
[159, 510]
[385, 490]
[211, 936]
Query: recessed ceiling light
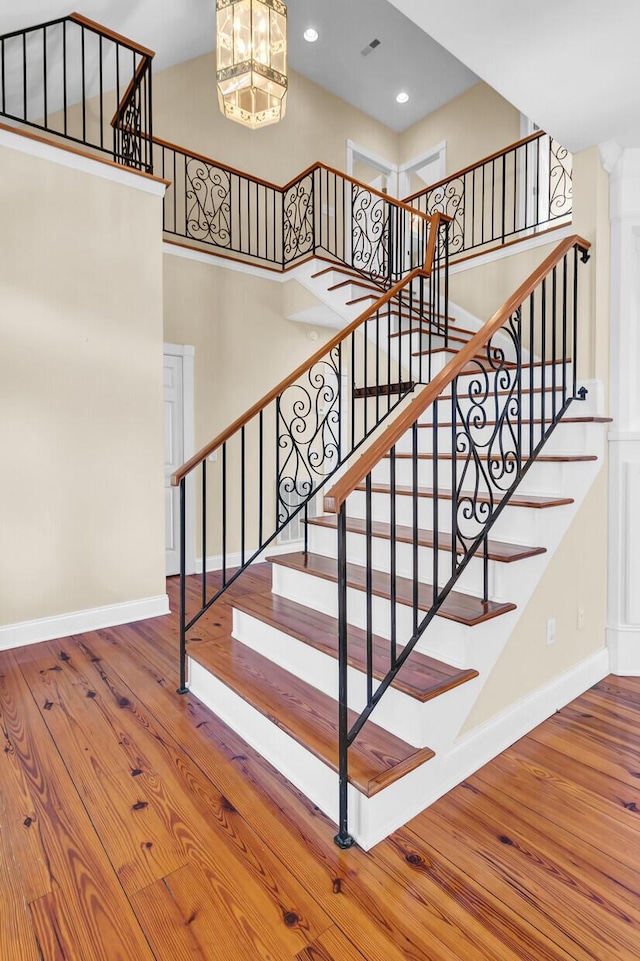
[311, 35]
[402, 97]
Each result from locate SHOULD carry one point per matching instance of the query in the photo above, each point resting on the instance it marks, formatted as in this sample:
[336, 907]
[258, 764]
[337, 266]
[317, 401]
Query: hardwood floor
[135, 826]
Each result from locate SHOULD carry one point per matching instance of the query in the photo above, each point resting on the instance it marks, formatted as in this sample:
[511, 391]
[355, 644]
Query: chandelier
[251, 65]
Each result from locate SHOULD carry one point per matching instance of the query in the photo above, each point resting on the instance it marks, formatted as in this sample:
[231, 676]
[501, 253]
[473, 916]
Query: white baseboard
[214, 562]
[624, 650]
[78, 622]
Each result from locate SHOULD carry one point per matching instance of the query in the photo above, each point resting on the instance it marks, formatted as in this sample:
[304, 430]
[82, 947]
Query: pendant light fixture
[251, 50]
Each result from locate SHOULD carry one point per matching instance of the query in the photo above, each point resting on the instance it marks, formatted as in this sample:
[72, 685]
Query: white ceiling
[571, 65]
[407, 59]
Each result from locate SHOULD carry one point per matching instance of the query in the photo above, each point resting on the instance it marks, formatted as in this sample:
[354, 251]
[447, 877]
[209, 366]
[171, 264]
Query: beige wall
[82, 524]
[316, 126]
[474, 125]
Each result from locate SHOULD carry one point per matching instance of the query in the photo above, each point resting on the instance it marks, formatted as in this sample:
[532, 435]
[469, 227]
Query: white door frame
[436, 155]
[386, 167]
[187, 353]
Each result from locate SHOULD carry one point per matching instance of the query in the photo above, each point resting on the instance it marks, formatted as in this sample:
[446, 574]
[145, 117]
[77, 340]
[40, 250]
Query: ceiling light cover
[251, 49]
[311, 35]
[402, 97]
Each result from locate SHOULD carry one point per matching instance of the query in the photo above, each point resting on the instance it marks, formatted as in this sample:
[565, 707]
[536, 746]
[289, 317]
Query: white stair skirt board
[78, 622]
[373, 819]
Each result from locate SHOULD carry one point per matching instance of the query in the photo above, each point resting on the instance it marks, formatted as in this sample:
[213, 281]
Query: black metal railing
[76, 80]
[322, 211]
[274, 459]
[448, 466]
[524, 188]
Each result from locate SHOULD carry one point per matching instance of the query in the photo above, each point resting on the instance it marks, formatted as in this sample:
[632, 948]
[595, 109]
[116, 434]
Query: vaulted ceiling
[405, 58]
[571, 65]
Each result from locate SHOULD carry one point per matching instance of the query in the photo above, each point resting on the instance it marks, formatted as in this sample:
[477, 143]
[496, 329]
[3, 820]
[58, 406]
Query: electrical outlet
[214, 456]
[580, 618]
[551, 630]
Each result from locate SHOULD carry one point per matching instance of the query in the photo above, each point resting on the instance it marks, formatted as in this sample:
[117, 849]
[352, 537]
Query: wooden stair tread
[339, 268]
[376, 758]
[538, 420]
[422, 677]
[452, 338]
[539, 501]
[463, 608]
[498, 550]
[384, 390]
[542, 458]
[355, 282]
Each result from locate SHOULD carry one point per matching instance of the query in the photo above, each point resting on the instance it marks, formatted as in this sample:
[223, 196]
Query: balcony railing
[74, 79]
[322, 211]
[511, 195]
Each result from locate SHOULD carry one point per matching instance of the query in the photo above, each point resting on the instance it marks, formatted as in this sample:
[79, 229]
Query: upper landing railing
[320, 211]
[506, 197]
[74, 79]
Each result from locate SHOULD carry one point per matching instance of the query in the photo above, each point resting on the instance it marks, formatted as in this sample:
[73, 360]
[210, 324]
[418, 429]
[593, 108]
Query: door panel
[173, 456]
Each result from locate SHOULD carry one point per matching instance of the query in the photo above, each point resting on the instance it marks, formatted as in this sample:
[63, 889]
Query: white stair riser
[324, 541]
[529, 403]
[542, 477]
[445, 639]
[397, 712]
[565, 438]
[516, 524]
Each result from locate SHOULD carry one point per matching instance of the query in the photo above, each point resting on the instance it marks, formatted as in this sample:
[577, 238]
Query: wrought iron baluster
[182, 688]
[343, 839]
[204, 532]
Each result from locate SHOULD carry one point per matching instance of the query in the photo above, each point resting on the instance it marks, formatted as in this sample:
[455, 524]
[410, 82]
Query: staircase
[420, 557]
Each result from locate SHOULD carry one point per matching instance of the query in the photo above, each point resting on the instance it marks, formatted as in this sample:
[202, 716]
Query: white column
[623, 630]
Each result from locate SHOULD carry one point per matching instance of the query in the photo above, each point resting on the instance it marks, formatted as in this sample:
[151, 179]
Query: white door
[173, 456]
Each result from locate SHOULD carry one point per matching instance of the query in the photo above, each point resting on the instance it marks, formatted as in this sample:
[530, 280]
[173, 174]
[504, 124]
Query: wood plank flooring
[136, 827]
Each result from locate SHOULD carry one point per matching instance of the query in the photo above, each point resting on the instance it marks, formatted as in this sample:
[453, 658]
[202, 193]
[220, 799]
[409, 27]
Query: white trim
[438, 151]
[624, 650]
[187, 353]
[356, 152]
[78, 622]
[219, 260]
[539, 240]
[214, 562]
[76, 161]
[432, 781]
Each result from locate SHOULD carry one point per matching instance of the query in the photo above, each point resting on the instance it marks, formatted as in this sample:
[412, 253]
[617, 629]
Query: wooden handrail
[337, 495]
[291, 378]
[319, 165]
[215, 163]
[140, 69]
[474, 166]
[111, 34]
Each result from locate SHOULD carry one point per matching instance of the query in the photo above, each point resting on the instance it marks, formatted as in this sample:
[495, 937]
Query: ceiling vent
[370, 47]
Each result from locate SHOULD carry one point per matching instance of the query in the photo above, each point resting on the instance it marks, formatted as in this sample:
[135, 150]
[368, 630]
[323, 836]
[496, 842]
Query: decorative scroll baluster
[208, 195]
